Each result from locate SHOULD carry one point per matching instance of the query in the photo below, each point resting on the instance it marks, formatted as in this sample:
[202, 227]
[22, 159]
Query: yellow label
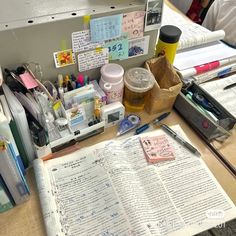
[167, 49]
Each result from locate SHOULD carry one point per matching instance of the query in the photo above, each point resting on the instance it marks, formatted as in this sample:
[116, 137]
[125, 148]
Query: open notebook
[226, 97]
[110, 189]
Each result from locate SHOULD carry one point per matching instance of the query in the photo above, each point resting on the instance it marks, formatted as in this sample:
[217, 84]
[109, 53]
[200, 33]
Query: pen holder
[166, 87]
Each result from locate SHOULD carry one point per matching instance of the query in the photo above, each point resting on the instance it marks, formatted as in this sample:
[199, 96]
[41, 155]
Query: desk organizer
[203, 122]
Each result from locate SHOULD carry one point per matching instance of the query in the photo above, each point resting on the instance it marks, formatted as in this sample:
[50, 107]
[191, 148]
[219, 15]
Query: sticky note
[28, 81]
[118, 48]
[157, 148]
[106, 28]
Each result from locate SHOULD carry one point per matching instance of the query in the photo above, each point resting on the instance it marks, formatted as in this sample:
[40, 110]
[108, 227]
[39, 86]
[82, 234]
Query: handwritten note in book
[106, 28]
[118, 48]
[157, 148]
[133, 24]
[81, 41]
[93, 59]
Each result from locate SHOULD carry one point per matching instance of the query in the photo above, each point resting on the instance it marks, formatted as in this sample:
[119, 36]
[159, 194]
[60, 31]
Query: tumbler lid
[170, 34]
[139, 79]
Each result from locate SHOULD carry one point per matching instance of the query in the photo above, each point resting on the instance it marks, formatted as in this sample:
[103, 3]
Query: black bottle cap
[170, 34]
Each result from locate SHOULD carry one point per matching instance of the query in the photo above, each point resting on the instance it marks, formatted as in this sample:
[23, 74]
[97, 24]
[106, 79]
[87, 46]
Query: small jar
[112, 82]
[168, 42]
[138, 83]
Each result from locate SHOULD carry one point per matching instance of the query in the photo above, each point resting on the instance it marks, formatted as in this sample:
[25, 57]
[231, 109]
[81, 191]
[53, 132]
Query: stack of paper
[199, 49]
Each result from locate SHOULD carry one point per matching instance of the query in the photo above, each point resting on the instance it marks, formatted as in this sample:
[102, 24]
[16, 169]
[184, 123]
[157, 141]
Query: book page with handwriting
[225, 97]
[192, 34]
[111, 189]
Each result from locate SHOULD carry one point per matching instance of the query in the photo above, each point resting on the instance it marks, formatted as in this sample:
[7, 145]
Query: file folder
[20, 119]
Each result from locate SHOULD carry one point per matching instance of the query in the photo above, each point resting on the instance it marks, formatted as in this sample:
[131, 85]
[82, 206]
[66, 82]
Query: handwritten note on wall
[106, 28]
[133, 24]
[118, 48]
[81, 41]
[93, 59]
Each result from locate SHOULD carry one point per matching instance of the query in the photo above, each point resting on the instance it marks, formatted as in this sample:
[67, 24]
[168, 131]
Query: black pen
[180, 140]
[155, 121]
[230, 86]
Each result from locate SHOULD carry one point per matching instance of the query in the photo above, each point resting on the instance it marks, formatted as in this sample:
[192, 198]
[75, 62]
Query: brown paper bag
[166, 88]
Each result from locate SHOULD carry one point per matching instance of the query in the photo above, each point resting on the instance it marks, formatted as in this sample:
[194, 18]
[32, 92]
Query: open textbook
[226, 97]
[110, 189]
[192, 34]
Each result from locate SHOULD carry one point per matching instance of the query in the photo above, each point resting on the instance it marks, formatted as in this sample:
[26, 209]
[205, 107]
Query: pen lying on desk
[180, 139]
[155, 121]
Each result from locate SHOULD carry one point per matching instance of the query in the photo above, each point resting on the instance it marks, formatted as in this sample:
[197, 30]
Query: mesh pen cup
[138, 83]
[168, 42]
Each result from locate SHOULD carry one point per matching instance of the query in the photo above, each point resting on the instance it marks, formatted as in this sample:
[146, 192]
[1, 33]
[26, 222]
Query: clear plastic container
[138, 83]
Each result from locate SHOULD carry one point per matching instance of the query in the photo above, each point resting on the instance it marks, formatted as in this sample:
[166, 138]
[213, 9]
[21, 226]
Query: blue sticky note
[118, 48]
[106, 28]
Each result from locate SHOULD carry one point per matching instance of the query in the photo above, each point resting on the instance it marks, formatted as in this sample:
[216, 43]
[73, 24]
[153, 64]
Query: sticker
[81, 41]
[153, 14]
[133, 24]
[64, 58]
[138, 47]
[106, 28]
[92, 59]
[118, 48]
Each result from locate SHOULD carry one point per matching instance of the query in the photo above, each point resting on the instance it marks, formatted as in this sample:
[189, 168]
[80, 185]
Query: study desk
[26, 219]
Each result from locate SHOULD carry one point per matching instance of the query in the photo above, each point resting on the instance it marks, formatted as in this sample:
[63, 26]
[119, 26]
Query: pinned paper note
[157, 148]
[93, 59]
[133, 24]
[106, 28]
[64, 58]
[139, 46]
[81, 41]
[118, 48]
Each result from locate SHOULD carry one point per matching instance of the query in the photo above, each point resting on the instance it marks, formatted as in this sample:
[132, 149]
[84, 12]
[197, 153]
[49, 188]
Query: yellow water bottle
[168, 42]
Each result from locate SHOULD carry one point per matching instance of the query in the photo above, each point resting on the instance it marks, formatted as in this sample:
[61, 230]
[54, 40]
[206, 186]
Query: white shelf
[22, 13]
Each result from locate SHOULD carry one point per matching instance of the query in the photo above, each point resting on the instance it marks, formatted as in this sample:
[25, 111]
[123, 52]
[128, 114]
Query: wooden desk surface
[26, 219]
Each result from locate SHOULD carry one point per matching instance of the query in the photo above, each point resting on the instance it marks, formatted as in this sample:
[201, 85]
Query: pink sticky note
[28, 81]
[157, 148]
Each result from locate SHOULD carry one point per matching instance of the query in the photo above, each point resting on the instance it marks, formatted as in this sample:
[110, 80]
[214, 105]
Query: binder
[20, 119]
[12, 175]
[9, 130]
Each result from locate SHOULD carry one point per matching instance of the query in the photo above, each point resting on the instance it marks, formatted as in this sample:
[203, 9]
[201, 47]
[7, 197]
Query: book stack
[201, 56]
[13, 187]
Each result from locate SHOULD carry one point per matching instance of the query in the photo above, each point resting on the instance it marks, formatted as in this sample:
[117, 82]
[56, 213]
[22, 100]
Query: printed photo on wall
[154, 9]
[139, 46]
